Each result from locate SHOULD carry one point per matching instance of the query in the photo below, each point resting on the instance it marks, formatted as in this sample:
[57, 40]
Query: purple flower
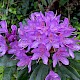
[52, 76]
[54, 26]
[25, 42]
[24, 61]
[39, 39]
[49, 15]
[25, 38]
[31, 26]
[15, 49]
[71, 45]
[20, 55]
[51, 32]
[37, 16]
[3, 28]
[65, 29]
[41, 52]
[53, 41]
[61, 55]
[10, 36]
[3, 46]
[13, 35]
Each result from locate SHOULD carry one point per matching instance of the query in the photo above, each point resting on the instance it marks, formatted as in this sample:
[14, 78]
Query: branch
[51, 5]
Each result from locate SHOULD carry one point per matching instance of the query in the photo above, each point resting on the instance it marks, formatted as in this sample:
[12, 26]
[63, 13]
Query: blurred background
[17, 10]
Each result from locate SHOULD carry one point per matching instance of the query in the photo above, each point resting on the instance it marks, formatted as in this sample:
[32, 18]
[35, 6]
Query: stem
[7, 7]
[49, 65]
[69, 9]
[50, 6]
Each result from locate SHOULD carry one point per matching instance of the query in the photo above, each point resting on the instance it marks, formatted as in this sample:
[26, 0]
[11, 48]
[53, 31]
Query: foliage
[14, 11]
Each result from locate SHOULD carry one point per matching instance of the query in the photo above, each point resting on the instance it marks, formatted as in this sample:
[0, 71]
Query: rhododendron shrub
[43, 39]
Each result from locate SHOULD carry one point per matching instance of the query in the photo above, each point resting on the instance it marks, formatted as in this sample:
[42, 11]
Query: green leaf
[78, 14]
[44, 2]
[77, 55]
[7, 61]
[35, 5]
[62, 2]
[75, 64]
[41, 7]
[49, 1]
[74, 71]
[19, 17]
[4, 17]
[63, 77]
[77, 25]
[1, 72]
[39, 72]
[12, 10]
[34, 73]
[22, 74]
[11, 1]
[1, 69]
[8, 72]
[70, 71]
[42, 72]
[1, 5]
[61, 74]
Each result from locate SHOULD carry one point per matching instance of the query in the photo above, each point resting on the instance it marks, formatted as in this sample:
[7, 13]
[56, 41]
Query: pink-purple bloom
[61, 55]
[3, 46]
[41, 52]
[43, 32]
[11, 36]
[52, 76]
[24, 61]
[3, 28]
[20, 54]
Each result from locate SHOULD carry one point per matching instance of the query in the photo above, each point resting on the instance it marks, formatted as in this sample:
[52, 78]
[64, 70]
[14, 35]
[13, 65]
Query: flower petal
[45, 59]
[71, 53]
[29, 67]
[76, 47]
[35, 56]
[64, 60]
[48, 46]
[21, 63]
[52, 76]
[34, 44]
[55, 62]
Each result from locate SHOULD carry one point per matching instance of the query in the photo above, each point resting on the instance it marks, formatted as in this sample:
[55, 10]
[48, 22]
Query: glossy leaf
[7, 61]
[75, 64]
[22, 74]
[1, 72]
[39, 73]
[49, 1]
[44, 2]
[70, 71]
[77, 55]
[41, 7]
[62, 2]
[8, 72]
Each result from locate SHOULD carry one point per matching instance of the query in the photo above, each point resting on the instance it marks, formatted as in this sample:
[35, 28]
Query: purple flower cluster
[40, 35]
[10, 36]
